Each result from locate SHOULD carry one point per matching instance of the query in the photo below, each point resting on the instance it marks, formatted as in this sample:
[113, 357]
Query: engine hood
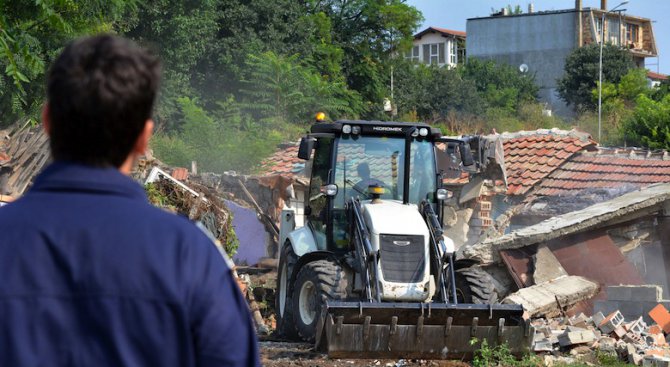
[394, 217]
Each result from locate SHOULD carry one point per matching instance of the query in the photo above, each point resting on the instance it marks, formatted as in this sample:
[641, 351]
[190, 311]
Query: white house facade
[438, 46]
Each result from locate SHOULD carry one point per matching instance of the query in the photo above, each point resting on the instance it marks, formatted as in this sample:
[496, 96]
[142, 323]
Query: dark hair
[101, 91]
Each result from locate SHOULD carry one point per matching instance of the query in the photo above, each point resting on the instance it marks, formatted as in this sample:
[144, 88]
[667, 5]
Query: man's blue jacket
[91, 274]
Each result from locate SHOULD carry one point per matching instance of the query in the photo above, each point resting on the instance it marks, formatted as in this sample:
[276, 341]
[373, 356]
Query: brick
[655, 329]
[661, 316]
[619, 332]
[657, 340]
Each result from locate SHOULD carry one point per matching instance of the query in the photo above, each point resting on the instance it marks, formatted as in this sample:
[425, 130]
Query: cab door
[319, 203]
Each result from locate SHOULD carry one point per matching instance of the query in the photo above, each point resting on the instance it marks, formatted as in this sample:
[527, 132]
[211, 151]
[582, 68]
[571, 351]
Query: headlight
[329, 190]
[423, 131]
[355, 130]
[346, 129]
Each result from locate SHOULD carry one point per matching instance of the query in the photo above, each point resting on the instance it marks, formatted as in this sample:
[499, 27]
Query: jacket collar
[68, 176]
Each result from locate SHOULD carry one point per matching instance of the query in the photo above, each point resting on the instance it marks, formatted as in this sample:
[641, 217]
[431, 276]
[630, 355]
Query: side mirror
[444, 194]
[466, 155]
[306, 147]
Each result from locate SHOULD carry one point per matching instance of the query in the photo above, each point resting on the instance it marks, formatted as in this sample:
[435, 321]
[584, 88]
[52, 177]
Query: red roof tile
[532, 156]
[284, 161]
[180, 174]
[444, 31]
[605, 170]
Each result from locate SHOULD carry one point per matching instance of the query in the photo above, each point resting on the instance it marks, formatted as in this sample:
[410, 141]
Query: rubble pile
[581, 337]
[205, 208]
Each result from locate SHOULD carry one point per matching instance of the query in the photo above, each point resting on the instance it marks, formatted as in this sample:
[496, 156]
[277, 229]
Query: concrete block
[648, 361]
[631, 310]
[611, 322]
[547, 266]
[662, 362]
[635, 359]
[650, 293]
[544, 345]
[597, 318]
[619, 293]
[540, 299]
[637, 326]
[605, 307]
[576, 337]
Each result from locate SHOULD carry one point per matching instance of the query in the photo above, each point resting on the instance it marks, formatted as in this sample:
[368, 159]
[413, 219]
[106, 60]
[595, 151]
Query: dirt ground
[278, 353]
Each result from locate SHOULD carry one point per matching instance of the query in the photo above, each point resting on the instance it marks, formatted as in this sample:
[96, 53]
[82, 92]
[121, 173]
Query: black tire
[284, 312]
[316, 282]
[474, 285]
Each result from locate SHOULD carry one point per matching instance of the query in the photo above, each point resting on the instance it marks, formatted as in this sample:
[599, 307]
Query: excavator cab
[371, 274]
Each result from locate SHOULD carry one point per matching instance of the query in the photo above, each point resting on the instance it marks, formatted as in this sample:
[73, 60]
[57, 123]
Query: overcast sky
[452, 14]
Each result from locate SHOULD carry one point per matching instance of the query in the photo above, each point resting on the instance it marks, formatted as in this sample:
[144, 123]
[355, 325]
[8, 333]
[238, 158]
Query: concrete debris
[547, 266]
[549, 298]
[631, 341]
[630, 206]
[634, 301]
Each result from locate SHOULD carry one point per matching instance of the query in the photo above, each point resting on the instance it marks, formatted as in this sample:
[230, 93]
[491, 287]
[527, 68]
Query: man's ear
[46, 118]
[142, 142]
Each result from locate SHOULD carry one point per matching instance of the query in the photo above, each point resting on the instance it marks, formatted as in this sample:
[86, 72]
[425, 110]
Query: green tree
[32, 33]
[433, 93]
[501, 85]
[582, 71]
[281, 89]
[219, 141]
[368, 31]
[649, 126]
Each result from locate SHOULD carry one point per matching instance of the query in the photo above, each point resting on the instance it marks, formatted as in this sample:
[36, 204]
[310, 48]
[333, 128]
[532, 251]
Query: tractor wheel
[474, 285]
[283, 305]
[316, 282]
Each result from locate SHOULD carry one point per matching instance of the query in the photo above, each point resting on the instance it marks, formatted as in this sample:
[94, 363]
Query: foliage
[433, 92]
[661, 91]
[367, 31]
[31, 34]
[582, 73]
[282, 89]
[649, 125]
[212, 213]
[219, 141]
[502, 85]
[500, 355]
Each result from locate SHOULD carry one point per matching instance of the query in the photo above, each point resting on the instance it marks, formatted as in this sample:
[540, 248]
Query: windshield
[365, 161]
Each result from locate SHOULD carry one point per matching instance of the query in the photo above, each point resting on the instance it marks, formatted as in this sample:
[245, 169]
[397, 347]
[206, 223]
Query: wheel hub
[307, 303]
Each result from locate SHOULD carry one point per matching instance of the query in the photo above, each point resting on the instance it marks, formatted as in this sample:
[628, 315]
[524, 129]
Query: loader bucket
[419, 330]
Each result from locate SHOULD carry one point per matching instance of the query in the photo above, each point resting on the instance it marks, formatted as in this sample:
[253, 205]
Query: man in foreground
[92, 274]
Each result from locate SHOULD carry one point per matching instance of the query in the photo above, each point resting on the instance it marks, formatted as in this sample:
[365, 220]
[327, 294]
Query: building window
[632, 33]
[413, 54]
[453, 55]
[433, 53]
[613, 31]
[599, 27]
